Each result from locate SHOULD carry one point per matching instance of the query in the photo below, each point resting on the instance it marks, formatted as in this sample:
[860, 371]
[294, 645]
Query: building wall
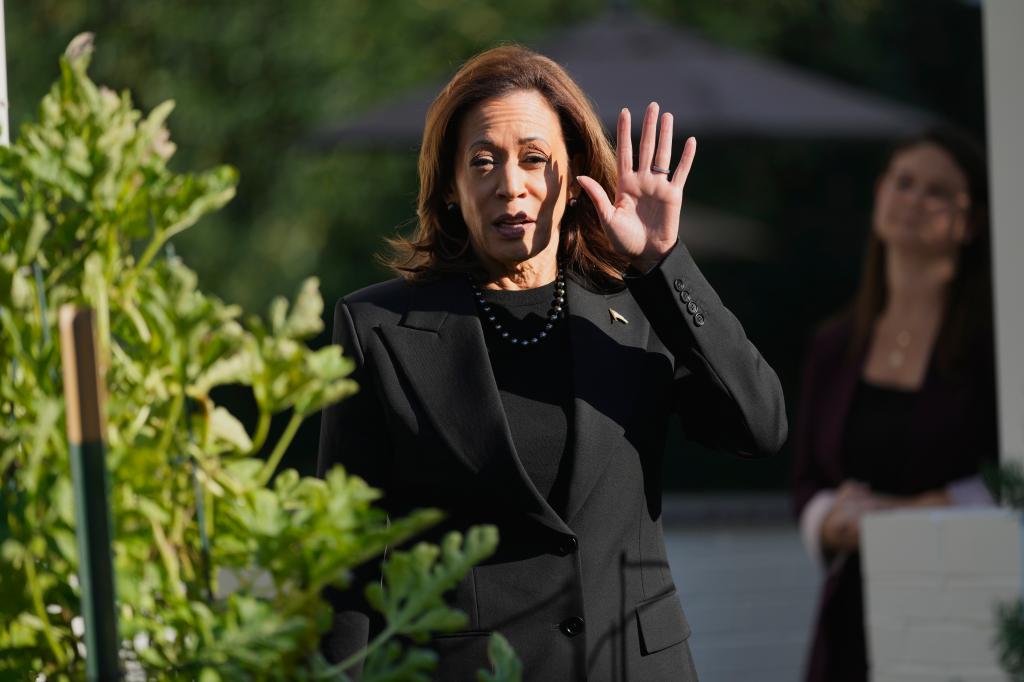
[933, 581]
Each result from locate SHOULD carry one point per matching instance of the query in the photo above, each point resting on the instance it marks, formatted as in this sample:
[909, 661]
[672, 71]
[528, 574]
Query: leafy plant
[1006, 483]
[219, 565]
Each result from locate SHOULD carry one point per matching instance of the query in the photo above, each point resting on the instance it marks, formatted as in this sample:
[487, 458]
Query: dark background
[254, 81]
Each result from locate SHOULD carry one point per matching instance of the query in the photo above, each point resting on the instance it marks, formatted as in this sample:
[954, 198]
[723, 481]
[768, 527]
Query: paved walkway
[746, 584]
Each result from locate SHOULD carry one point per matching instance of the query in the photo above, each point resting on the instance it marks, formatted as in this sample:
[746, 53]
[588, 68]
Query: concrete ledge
[754, 508]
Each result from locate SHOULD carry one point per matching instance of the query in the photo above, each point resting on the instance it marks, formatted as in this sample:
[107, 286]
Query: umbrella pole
[83, 395]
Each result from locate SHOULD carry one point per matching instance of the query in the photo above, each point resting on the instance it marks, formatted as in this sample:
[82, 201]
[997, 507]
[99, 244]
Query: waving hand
[643, 221]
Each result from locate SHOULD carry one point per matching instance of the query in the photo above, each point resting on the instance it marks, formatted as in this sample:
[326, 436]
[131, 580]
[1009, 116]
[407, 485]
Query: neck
[538, 271]
[917, 284]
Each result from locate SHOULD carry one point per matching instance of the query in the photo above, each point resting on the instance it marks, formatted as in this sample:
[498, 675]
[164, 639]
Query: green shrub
[219, 566]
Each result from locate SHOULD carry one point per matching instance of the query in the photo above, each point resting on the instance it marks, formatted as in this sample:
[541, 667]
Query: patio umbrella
[623, 58]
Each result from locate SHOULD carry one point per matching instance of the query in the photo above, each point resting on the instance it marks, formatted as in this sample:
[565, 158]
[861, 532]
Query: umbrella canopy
[625, 59]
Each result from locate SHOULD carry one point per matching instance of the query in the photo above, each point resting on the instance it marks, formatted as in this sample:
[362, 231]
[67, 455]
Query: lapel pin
[617, 317]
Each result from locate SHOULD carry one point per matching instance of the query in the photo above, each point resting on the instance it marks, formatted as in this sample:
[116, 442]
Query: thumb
[596, 192]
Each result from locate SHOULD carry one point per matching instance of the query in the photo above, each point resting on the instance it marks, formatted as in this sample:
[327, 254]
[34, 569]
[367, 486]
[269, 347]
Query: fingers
[852, 488]
[651, 154]
[663, 156]
[624, 144]
[685, 162]
[647, 137]
[602, 203]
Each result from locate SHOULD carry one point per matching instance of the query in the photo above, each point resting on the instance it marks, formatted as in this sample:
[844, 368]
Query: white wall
[1004, 81]
[933, 580]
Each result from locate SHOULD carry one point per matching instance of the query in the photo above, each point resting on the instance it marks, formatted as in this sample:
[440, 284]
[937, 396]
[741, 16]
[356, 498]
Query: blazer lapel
[607, 359]
[439, 345]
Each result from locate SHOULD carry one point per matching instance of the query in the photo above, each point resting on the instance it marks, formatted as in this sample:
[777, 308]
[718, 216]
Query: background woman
[522, 368]
[898, 402]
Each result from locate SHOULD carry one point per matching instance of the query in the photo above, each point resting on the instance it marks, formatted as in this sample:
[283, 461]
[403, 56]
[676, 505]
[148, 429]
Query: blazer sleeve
[353, 434]
[726, 394]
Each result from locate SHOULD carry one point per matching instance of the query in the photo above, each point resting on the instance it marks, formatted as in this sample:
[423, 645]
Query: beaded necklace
[557, 308]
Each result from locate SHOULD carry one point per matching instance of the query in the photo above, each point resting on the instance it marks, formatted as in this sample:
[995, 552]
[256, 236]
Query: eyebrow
[484, 142]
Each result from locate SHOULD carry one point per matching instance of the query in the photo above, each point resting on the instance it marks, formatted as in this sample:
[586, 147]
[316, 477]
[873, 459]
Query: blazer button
[678, 284]
[698, 319]
[685, 296]
[692, 308]
[569, 545]
[571, 627]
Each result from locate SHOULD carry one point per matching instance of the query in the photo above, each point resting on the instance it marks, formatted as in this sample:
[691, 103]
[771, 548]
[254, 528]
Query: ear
[576, 164]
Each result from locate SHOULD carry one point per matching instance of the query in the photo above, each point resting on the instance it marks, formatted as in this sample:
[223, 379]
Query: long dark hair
[967, 317]
[441, 241]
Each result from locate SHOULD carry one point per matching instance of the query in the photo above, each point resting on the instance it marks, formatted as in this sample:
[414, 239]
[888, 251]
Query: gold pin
[617, 317]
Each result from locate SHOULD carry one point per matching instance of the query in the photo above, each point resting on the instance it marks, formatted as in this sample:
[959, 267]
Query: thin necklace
[557, 308]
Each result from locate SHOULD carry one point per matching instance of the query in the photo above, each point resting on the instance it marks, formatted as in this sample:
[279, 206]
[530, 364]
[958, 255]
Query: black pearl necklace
[557, 308]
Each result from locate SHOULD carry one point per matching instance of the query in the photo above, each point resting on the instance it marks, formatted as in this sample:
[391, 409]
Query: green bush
[219, 565]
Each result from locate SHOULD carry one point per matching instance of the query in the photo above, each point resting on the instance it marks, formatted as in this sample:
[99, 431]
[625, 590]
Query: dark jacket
[586, 595]
[951, 432]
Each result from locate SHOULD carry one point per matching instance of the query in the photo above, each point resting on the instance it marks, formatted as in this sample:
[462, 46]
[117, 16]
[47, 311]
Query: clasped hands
[840, 531]
[643, 220]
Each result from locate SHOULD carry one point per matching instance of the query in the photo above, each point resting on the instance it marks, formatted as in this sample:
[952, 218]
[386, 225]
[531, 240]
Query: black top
[532, 379]
[877, 441]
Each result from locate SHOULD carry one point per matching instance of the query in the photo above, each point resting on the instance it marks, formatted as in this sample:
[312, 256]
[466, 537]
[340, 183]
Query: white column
[1004, 85]
[5, 137]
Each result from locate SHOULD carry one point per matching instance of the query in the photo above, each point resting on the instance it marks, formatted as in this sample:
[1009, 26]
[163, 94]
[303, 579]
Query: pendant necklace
[898, 355]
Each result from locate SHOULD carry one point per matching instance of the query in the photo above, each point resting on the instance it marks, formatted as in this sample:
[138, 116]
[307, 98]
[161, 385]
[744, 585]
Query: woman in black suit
[522, 368]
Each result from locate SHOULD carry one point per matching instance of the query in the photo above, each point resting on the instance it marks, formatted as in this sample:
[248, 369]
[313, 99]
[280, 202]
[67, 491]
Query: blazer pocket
[661, 622]
[460, 655]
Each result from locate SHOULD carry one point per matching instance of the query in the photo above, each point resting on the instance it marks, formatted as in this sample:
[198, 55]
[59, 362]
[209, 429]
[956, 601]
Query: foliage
[1010, 638]
[1006, 483]
[219, 566]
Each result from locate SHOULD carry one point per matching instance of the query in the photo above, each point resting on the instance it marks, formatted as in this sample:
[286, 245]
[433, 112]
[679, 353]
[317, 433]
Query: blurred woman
[898, 401]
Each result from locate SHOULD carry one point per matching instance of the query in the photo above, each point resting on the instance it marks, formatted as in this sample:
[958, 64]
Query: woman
[898, 402]
[522, 368]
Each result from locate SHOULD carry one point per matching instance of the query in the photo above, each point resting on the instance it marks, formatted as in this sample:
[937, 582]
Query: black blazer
[585, 595]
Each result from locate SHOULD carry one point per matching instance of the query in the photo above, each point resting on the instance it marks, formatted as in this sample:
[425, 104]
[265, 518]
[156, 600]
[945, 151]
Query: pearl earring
[573, 201]
[451, 206]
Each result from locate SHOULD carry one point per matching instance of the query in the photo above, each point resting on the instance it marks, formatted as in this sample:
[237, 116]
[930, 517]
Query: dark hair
[967, 316]
[441, 241]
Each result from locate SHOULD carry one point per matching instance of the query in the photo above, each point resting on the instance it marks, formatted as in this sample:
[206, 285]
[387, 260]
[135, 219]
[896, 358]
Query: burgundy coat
[953, 430]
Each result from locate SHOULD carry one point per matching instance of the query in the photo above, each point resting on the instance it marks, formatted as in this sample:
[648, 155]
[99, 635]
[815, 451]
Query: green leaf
[505, 665]
[40, 226]
[225, 427]
[411, 596]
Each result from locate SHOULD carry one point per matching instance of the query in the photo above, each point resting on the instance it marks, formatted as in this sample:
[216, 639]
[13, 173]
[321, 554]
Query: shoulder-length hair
[441, 242]
[967, 316]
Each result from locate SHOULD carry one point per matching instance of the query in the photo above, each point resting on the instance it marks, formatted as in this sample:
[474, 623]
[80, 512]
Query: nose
[512, 183]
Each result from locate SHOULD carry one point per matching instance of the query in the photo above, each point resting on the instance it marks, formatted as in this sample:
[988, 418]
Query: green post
[84, 394]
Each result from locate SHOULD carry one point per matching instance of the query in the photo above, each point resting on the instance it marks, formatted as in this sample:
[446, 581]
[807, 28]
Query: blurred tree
[254, 79]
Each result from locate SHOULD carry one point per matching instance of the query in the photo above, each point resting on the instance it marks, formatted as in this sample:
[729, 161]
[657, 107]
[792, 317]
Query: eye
[536, 159]
[940, 193]
[904, 182]
[481, 162]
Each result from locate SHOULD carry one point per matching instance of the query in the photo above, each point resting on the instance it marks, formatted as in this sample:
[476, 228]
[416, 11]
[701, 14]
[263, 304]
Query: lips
[512, 225]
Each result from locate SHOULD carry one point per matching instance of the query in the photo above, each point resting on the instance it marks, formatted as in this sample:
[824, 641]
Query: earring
[573, 201]
[451, 206]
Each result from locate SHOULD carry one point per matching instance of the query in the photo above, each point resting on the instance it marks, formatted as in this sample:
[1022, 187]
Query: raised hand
[643, 221]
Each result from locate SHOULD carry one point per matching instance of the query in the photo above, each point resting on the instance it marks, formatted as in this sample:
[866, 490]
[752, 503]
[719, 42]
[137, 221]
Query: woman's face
[922, 201]
[511, 171]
